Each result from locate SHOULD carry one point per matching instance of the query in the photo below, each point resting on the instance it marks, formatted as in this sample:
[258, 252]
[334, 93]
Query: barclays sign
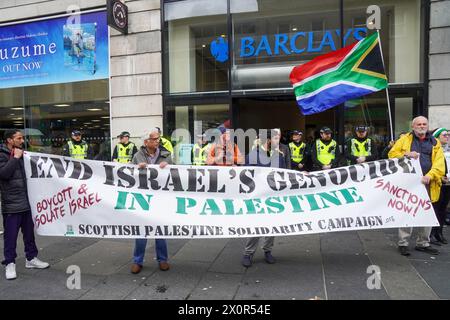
[285, 44]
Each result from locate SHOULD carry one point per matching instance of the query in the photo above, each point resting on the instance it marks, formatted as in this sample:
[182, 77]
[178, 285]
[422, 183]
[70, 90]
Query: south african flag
[333, 78]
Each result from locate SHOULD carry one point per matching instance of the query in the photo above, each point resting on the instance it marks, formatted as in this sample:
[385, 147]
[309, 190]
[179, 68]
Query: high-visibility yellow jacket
[437, 171]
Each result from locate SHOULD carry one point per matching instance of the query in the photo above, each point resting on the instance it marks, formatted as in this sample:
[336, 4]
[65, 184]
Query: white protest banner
[112, 200]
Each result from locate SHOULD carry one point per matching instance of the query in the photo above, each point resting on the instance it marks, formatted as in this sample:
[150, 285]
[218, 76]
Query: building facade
[198, 64]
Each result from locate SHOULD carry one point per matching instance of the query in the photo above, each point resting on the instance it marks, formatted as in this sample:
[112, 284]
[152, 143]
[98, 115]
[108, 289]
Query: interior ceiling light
[94, 109]
[62, 105]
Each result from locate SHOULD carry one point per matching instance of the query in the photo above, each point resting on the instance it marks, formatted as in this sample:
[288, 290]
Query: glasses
[154, 139]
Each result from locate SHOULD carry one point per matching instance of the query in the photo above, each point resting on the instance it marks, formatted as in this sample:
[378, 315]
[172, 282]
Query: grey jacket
[142, 156]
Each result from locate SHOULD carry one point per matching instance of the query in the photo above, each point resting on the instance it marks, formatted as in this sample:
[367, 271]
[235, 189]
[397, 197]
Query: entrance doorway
[279, 112]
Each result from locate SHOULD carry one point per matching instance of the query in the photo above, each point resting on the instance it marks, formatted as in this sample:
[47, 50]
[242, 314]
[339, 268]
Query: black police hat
[297, 132]
[361, 128]
[76, 132]
[124, 134]
[325, 130]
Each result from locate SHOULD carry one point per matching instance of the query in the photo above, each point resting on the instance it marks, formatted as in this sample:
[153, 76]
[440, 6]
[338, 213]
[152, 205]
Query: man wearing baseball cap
[77, 148]
[124, 150]
[325, 152]
[297, 148]
[360, 148]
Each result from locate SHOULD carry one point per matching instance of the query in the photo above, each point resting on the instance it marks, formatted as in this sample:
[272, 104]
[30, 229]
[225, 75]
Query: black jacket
[286, 155]
[13, 184]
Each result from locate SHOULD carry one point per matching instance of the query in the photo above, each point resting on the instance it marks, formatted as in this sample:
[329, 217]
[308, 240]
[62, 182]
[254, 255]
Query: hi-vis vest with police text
[199, 155]
[78, 151]
[297, 152]
[325, 153]
[361, 149]
[125, 154]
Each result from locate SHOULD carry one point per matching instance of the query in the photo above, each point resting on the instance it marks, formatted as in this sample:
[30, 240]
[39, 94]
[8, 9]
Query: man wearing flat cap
[77, 148]
[125, 149]
[325, 152]
[360, 148]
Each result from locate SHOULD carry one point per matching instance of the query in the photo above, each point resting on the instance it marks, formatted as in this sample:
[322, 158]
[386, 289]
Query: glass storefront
[47, 114]
[66, 89]
[243, 54]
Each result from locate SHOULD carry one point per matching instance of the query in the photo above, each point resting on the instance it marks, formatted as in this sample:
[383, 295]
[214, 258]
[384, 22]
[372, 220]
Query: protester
[16, 209]
[77, 148]
[151, 153]
[361, 148]
[224, 152]
[265, 155]
[125, 149]
[325, 153]
[281, 147]
[420, 144]
[440, 207]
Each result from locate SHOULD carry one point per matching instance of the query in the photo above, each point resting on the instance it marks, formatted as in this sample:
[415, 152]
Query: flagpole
[387, 91]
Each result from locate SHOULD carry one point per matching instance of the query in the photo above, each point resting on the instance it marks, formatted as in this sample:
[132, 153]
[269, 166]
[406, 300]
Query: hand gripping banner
[111, 200]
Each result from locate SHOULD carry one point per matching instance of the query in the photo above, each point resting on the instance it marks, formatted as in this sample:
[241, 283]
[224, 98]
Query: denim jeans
[139, 250]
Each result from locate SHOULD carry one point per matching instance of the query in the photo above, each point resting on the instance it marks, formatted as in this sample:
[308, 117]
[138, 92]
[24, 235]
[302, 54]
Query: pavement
[325, 266]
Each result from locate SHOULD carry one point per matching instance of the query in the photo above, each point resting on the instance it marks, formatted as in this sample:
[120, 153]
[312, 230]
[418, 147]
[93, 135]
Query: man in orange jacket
[224, 152]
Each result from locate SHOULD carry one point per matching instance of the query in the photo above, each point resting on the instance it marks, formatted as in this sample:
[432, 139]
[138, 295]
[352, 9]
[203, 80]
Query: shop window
[197, 46]
[400, 35]
[47, 114]
[194, 119]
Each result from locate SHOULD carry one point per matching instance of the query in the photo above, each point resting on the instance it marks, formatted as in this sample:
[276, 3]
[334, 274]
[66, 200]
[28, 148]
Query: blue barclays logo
[219, 49]
[282, 43]
[285, 44]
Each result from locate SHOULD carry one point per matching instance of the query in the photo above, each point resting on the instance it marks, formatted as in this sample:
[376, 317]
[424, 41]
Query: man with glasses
[325, 153]
[151, 153]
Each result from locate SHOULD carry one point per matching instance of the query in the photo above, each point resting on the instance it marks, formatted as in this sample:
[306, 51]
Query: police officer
[77, 148]
[360, 148]
[297, 147]
[200, 151]
[325, 152]
[124, 150]
[165, 142]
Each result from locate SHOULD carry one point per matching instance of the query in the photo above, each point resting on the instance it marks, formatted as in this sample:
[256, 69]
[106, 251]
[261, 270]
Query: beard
[420, 131]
